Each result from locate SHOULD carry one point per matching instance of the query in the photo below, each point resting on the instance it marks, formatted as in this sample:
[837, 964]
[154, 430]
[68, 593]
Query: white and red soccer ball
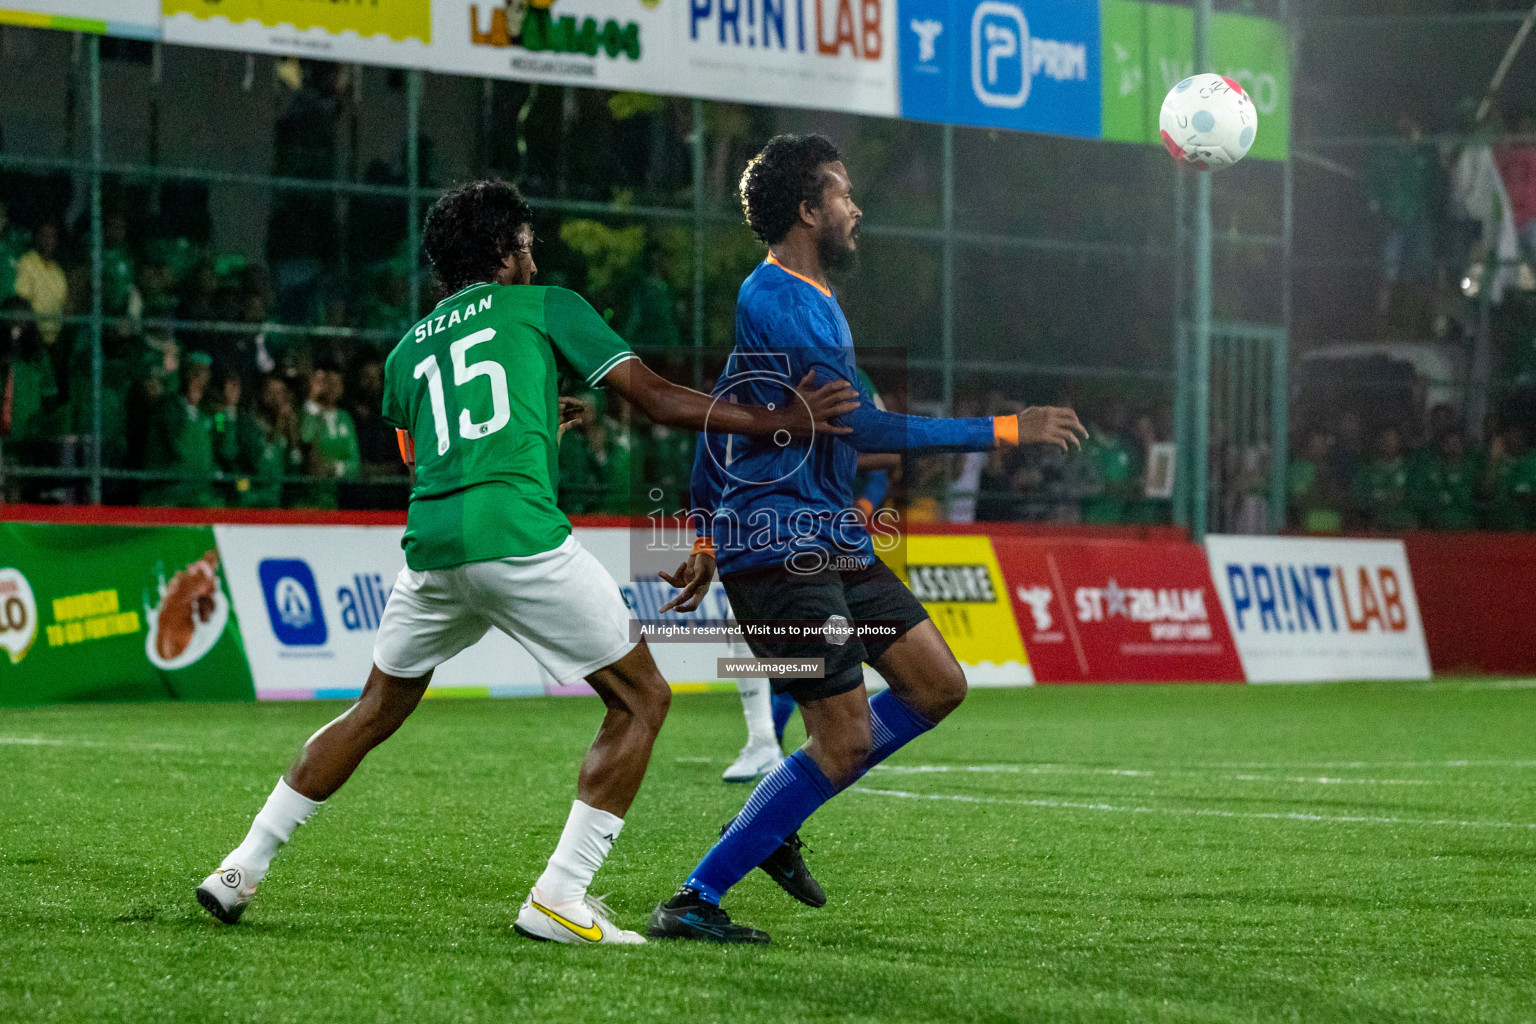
[1208, 122]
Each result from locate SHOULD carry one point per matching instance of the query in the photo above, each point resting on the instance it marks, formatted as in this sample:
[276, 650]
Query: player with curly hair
[807, 557]
[472, 391]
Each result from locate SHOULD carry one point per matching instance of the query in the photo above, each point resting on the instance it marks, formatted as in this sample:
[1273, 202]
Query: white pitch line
[42, 741]
[1197, 812]
[1142, 773]
[1283, 765]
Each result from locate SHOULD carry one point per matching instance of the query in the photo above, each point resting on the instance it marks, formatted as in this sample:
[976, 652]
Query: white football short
[561, 605]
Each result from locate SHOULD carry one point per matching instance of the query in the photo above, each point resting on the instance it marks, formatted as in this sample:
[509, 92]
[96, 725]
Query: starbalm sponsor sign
[1117, 611]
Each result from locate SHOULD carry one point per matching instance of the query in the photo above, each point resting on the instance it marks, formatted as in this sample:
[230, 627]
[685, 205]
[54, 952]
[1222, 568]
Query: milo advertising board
[116, 613]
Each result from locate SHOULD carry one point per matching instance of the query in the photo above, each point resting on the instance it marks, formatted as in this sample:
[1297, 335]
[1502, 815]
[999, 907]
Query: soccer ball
[1208, 122]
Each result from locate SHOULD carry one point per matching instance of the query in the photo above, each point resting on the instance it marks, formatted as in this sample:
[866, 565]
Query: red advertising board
[1108, 611]
[1476, 597]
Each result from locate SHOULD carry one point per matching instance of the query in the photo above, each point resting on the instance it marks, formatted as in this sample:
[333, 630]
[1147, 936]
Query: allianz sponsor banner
[1306, 610]
[116, 613]
[1117, 611]
[1031, 65]
[959, 582]
[309, 600]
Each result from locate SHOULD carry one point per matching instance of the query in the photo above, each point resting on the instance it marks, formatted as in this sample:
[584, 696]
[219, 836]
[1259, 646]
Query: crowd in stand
[1342, 478]
[228, 410]
[219, 410]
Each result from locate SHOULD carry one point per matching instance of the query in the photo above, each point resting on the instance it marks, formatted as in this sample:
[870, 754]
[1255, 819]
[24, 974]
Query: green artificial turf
[1209, 853]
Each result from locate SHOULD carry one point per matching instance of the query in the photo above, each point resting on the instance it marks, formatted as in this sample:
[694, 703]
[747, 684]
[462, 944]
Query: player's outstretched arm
[875, 430]
[675, 406]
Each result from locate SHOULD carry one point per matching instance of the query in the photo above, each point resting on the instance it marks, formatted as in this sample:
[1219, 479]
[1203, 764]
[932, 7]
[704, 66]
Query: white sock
[584, 845]
[757, 705]
[285, 810]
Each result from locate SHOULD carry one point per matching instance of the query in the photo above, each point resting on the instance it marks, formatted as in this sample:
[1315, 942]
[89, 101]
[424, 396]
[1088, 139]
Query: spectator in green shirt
[1380, 487]
[330, 438]
[181, 441]
[1510, 481]
[118, 268]
[13, 242]
[1406, 186]
[595, 461]
[1312, 490]
[1441, 486]
[267, 445]
[1115, 468]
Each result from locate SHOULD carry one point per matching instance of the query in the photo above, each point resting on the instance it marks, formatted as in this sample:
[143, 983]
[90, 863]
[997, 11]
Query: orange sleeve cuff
[704, 546]
[866, 508]
[1005, 429]
[407, 447]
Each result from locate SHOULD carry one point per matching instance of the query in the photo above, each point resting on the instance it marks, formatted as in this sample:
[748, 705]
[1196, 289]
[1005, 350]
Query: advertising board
[1149, 48]
[116, 613]
[310, 598]
[1031, 65]
[1308, 610]
[1084, 68]
[129, 19]
[395, 32]
[1117, 611]
[960, 583]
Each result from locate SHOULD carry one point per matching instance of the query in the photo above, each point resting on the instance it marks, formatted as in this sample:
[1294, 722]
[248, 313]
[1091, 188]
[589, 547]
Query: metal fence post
[947, 328]
[1280, 383]
[93, 52]
[696, 143]
[1183, 465]
[413, 184]
[1201, 398]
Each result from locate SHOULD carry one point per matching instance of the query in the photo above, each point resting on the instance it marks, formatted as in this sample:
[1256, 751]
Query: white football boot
[587, 923]
[225, 893]
[754, 761]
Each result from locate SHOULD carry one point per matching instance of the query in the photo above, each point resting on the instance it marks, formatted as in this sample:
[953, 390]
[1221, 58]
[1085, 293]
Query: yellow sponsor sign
[960, 583]
[398, 19]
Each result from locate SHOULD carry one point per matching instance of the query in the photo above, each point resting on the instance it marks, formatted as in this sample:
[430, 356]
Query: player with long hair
[791, 550]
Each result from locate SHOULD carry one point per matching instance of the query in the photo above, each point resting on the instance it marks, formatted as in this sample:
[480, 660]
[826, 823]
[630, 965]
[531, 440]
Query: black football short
[873, 594]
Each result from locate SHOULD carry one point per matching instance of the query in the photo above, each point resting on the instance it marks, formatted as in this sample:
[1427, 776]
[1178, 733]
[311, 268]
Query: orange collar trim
[775, 261]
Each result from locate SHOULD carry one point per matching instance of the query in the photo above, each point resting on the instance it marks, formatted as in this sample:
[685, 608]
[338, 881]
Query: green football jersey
[475, 385]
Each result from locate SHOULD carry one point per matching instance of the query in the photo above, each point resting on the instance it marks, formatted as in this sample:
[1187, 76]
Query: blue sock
[778, 806]
[893, 726]
[783, 707]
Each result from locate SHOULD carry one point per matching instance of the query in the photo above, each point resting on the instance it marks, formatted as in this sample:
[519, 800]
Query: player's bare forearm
[673, 405]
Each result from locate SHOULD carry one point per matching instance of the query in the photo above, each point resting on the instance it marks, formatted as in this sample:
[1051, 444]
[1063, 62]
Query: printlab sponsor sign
[309, 600]
[1304, 610]
[1117, 611]
[806, 53]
